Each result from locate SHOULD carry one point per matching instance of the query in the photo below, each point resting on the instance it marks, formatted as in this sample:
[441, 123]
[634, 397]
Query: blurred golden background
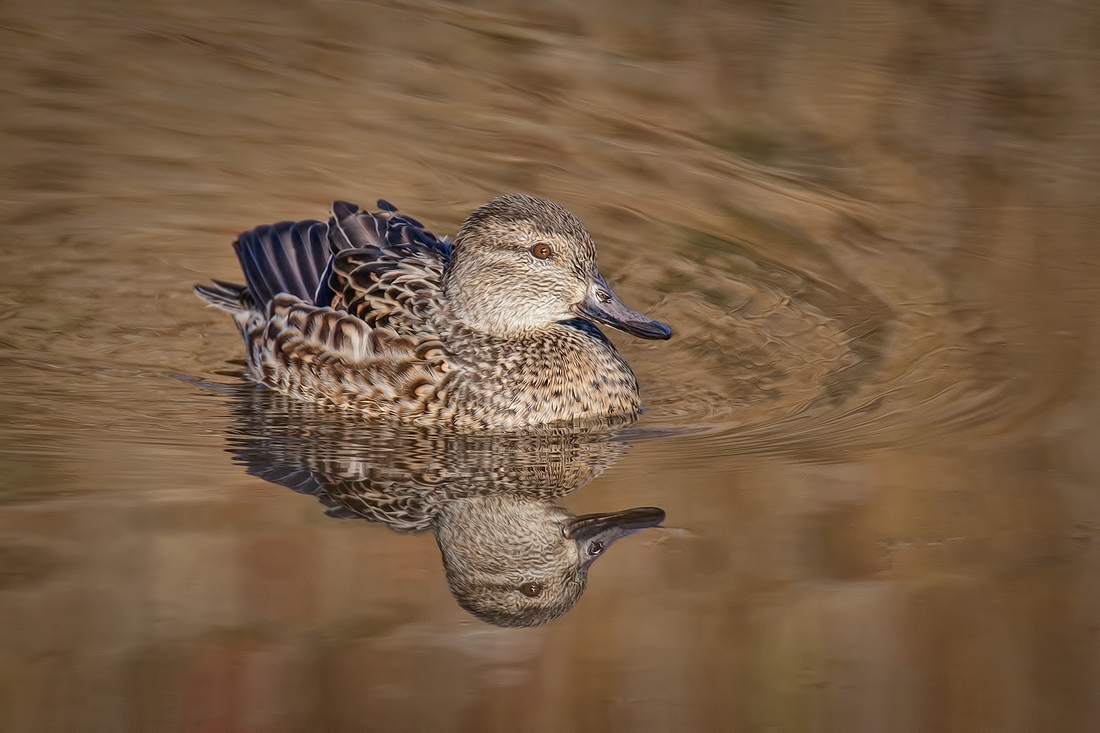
[871, 226]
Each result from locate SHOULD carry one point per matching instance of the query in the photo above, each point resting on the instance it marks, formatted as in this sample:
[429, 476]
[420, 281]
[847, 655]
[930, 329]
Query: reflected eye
[595, 548]
[542, 250]
[531, 589]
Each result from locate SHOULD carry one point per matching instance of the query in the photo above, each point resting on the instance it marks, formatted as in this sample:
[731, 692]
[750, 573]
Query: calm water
[871, 226]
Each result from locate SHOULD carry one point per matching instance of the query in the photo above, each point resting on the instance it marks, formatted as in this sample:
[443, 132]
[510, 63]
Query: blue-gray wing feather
[300, 258]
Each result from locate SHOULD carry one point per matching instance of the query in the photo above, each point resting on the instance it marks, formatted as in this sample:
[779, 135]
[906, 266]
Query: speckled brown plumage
[371, 312]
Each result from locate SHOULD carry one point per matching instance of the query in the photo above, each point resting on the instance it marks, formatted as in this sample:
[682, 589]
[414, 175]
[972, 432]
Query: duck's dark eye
[542, 250]
[595, 548]
[531, 589]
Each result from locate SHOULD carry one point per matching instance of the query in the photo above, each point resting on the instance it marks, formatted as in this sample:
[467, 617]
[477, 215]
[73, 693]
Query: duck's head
[521, 263]
[512, 561]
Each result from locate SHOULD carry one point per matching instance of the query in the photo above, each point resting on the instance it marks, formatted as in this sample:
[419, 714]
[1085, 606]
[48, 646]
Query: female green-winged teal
[372, 312]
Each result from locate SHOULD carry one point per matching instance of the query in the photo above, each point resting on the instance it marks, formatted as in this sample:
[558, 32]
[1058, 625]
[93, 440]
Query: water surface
[872, 228]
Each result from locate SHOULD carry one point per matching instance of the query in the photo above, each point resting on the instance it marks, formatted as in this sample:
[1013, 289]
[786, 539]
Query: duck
[496, 330]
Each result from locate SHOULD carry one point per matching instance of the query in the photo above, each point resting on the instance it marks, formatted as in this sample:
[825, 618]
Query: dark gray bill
[593, 533]
[601, 304]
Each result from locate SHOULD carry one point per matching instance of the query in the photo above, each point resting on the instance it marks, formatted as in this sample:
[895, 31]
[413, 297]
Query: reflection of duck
[512, 556]
[516, 562]
[373, 312]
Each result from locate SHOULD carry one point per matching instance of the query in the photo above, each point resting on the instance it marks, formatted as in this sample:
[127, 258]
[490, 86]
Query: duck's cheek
[541, 311]
[541, 301]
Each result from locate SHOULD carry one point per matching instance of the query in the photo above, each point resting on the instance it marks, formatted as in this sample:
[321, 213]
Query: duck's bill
[602, 305]
[594, 532]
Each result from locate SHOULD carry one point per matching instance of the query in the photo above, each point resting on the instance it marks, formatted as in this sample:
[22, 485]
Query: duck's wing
[354, 229]
[289, 257]
[386, 270]
[370, 316]
[372, 265]
[339, 311]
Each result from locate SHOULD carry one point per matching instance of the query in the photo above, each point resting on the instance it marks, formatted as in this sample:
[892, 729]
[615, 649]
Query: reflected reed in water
[512, 556]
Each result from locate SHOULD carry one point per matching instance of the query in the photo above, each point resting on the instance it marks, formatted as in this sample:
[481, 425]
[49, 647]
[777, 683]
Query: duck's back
[339, 311]
[346, 263]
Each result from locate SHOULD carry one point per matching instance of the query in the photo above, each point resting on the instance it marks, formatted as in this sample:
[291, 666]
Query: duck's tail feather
[227, 296]
[288, 257]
